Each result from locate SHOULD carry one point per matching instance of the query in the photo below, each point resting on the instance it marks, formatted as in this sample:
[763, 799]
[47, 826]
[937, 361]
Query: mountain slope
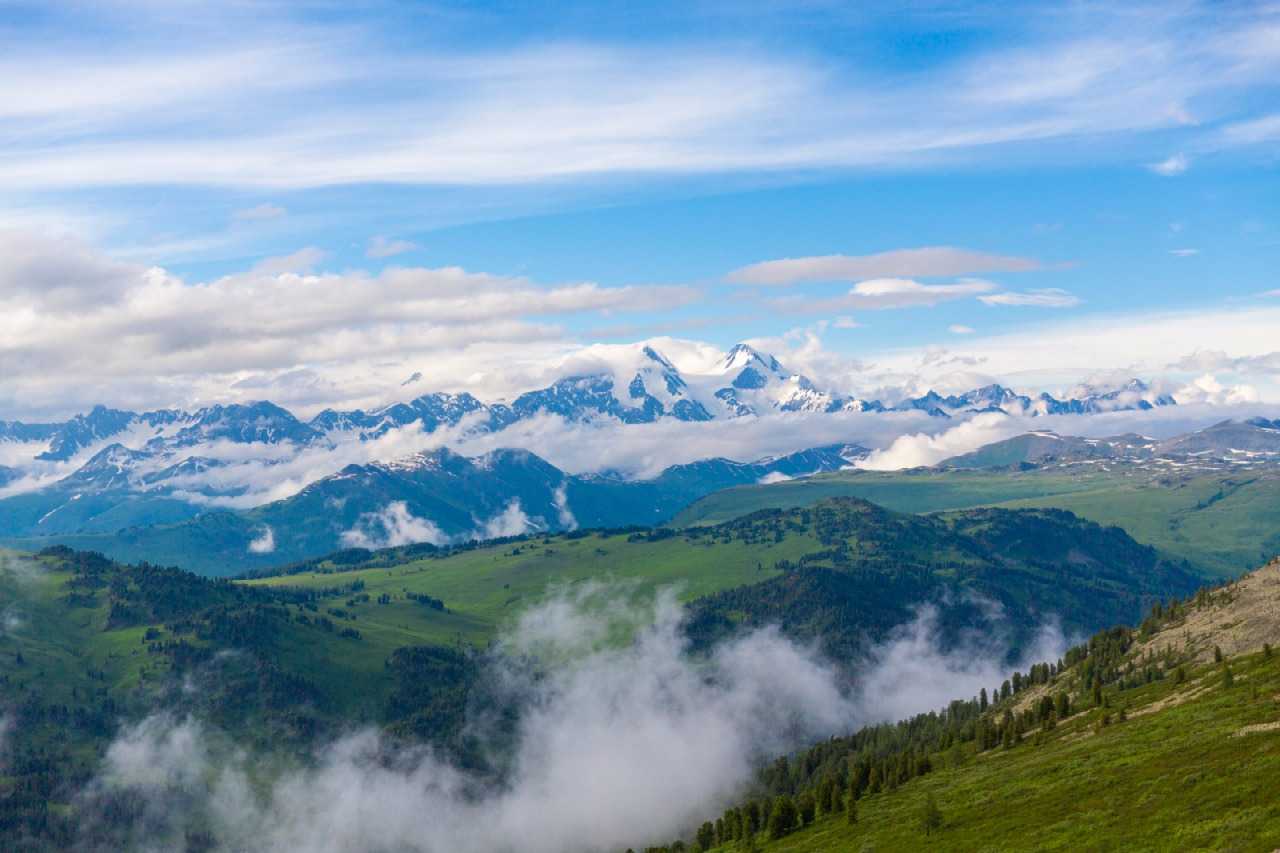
[435, 497]
[1132, 743]
[1222, 520]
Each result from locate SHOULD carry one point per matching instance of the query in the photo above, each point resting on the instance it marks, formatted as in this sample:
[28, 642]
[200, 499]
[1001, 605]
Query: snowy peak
[248, 423]
[746, 356]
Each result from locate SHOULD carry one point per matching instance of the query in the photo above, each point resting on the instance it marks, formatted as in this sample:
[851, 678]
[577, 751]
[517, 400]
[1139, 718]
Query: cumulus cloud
[1048, 297]
[910, 451]
[390, 527]
[926, 262]
[1207, 389]
[264, 542]
[958, 329]
[616, 746]
[279, 321]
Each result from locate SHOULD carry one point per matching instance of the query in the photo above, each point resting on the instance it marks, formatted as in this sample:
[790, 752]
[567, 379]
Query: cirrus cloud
[925, 262]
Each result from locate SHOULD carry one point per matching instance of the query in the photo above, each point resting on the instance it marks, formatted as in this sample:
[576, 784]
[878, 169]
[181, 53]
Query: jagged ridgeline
[396, 639]
[1160, 737]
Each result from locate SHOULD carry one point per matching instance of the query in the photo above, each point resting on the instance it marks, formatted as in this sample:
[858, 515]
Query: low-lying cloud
[390, 527]
[617, 745]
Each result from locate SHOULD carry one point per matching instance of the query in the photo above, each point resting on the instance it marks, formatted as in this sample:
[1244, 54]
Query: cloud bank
[616, 746]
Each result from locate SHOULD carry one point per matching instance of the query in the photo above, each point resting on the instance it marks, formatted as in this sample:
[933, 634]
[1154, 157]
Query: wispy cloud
[386, 247]
[884, 293]
[1048, 297]
[927, 262]
[260, 212]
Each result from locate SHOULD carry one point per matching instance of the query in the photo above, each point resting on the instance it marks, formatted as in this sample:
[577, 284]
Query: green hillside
[845, 557]
[396, 639]
[1223, 523]
[1144, 740]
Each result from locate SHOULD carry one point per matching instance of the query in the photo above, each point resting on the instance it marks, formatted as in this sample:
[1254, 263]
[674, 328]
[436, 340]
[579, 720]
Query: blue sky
[1125, 154]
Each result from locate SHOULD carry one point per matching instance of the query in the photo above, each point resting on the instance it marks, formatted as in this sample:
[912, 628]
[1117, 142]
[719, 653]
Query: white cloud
[921, 449]
[386, 247]
[926, 262]
[615, 747]
[1049, 297]
[153, 339]
[1184, 253]
[336, 104]
[564, 512]
[1174, 165]
[512, 521]
[1252, 131]
[958, 329]
[390, 527]
[264, 542]
[885, 293]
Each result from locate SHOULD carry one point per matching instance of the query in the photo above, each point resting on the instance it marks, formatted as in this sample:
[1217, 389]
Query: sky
[310, 202]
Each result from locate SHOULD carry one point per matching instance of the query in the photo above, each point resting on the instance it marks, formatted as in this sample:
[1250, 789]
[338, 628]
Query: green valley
[1224, 523]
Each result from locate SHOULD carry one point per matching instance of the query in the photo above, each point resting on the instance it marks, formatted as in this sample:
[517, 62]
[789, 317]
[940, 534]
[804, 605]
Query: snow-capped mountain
[649, 387]
[1084, 400]
[177, 460]
[1231, 444]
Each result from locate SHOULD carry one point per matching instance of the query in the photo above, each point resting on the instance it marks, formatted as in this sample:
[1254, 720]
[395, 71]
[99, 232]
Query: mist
[618, 744]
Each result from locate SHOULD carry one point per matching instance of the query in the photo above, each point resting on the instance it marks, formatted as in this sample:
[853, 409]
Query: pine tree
[930, 815]
[706, 836]
[851, 808]
[783, 817]
[1217, 654]
[1228, 680]
[1266, 651]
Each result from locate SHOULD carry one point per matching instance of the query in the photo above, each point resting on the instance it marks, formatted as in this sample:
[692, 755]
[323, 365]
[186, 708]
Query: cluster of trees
[833, 776]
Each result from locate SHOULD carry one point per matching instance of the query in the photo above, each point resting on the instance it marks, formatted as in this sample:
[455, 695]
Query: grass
[1179, 778]
[487, 588]
[1224, 524]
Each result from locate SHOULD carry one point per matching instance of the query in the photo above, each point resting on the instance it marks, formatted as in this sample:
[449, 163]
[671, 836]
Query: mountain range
[1247, 443]
[437, 497]
[649, 388]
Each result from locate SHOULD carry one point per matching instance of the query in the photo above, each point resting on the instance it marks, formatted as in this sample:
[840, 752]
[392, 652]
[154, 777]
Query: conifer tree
[930, 815]
[807, 808]
[782, 817]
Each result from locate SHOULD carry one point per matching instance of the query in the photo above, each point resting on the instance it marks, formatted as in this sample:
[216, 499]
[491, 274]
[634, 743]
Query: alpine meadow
[476, 427]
